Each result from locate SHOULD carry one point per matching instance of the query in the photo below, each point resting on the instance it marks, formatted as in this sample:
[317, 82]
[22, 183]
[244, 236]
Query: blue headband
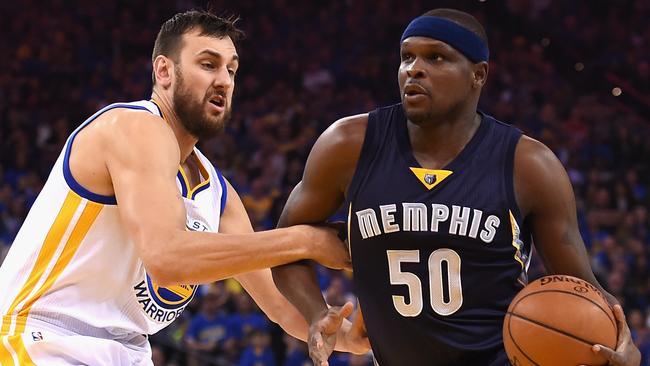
[457, 36]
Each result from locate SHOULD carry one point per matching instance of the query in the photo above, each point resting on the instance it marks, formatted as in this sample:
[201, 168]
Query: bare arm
[259, 284]
[328, 172]
[545, 196]
[141, 156]
[314, 200]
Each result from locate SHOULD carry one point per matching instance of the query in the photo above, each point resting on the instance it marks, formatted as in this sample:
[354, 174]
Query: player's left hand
[626, 354]
[323, 332]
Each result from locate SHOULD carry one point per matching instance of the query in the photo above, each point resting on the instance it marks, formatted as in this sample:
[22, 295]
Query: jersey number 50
[439, 304]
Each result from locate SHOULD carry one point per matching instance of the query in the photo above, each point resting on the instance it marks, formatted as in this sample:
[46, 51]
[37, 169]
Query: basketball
[555, 320]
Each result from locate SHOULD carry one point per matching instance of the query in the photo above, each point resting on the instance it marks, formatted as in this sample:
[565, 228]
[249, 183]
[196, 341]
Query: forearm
[203, 257]
[298, 283]
[260, 286]
[293, 323]
[308, 299]
[573, 261]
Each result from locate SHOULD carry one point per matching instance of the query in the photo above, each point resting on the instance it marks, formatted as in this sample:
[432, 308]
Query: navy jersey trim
[157, 107]
[404, 143]
[366, 156]
[67, 174]
[181, 180]
[509, 171]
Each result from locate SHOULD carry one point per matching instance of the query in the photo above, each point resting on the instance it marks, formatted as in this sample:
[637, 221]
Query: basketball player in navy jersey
[442, 200]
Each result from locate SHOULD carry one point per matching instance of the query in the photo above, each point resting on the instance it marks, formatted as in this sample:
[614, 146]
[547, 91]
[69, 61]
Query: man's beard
[192, 114]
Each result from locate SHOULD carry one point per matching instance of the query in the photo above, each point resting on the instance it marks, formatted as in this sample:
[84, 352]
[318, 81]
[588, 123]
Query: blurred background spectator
[573, 74]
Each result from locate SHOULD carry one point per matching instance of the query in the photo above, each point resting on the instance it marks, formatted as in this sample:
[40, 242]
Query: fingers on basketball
[560, 313]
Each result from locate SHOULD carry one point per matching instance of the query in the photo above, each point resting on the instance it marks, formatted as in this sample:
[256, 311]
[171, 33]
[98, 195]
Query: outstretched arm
[141, 156]
[328, 171]
[545, 196]
[259, 284]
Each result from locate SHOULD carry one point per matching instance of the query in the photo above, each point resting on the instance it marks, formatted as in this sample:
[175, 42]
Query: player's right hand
[327, 249]
[626, 353]
[353, 337]
[323, 331]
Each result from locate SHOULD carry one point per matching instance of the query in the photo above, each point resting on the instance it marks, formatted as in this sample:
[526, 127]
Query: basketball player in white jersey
[133, 217]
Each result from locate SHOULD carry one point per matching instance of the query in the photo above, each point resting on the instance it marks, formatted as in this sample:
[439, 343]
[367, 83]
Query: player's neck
[437, 143]
[186, 141]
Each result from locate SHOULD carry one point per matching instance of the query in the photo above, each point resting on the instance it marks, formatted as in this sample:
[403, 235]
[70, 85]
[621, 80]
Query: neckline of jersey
[404, 143]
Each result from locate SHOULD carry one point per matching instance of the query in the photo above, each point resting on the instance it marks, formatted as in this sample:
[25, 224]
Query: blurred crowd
[574, 75]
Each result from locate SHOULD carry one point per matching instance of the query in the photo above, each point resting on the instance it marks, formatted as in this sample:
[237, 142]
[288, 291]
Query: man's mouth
[218, 100]
[414, 89]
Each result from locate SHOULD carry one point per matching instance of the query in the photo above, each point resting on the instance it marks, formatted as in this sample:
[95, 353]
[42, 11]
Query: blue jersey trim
[224, 191]
[182, 181]
[157, 107]
[67, 174]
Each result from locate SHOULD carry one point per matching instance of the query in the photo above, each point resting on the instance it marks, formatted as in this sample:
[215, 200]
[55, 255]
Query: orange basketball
[555, 321]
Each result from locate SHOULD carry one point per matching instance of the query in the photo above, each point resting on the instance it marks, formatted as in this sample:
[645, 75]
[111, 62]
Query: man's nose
[414, 69]
[223, 78]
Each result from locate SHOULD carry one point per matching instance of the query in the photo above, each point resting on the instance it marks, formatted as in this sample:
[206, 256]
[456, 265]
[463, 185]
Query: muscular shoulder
[538, 173]
[347, 133]
[125, 130]
[121, 137]
[532, 152]
[121, 123]
[337, 150]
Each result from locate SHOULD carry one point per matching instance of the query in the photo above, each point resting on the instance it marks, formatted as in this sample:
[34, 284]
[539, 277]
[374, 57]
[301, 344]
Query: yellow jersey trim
[516, 242]
[349, 221]
[204, 173]
[431, 177]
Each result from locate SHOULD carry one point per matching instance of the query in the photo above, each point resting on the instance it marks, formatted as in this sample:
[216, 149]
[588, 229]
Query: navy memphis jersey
[437, 254]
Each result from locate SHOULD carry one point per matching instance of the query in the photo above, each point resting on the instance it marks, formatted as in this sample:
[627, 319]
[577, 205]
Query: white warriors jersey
[73, 266]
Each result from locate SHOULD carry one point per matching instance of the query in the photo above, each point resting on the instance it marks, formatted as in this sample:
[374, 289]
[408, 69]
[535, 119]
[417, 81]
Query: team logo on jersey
[430, 177]
[164, 304]
[171, 297]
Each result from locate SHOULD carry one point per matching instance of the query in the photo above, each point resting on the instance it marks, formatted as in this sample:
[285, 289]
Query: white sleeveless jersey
[73, 266]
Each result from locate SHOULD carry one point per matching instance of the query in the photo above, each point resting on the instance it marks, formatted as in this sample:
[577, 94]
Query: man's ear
[480, 74]
[163, 70]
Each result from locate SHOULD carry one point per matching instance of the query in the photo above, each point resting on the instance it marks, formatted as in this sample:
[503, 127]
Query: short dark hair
[461, 18]
[169, 39]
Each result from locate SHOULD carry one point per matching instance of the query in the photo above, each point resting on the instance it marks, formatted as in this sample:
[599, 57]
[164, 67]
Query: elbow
[160, 263]
[161, 274]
